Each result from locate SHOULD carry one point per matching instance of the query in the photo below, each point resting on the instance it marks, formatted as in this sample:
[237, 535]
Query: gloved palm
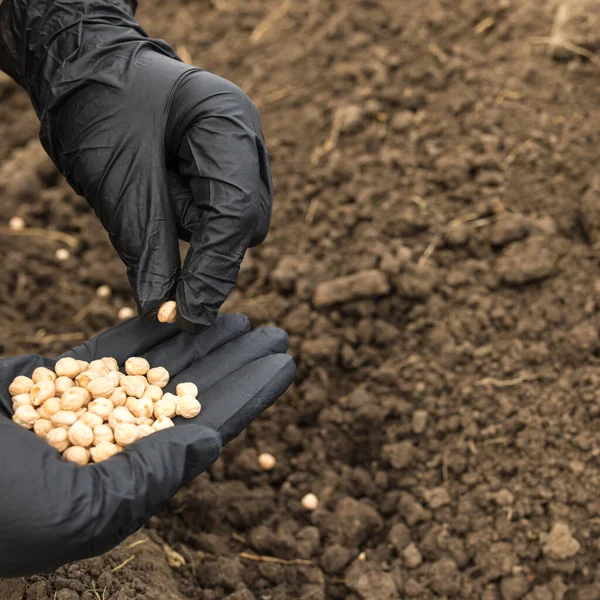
[53, 512]
[160, 149]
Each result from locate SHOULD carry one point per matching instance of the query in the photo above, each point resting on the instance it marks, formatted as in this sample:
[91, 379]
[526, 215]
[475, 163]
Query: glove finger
[231, 357]
[233, 403]
[130, 338]
[222, 156]
[76, 512]
[180, 352]
[121, 171]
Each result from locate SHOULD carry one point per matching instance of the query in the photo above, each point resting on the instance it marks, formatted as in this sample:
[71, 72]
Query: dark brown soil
[447, 406]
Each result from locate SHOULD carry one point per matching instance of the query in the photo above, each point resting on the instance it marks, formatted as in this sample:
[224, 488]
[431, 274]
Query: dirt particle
[358, 520]
[67, 594]
[399, 536]
[514, 587]
[323, 349]
[446, 579]
[510, 228]
[437, 497]
[400, 454]
[335, 558]
[526, 261]
[370, 582]
[365, 284]
[412, 557]
[419, 421]
[559, 544]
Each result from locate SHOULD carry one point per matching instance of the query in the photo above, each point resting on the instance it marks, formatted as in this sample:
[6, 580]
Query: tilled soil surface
[435, 156]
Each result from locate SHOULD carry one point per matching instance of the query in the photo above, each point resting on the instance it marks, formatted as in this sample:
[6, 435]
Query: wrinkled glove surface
[53, 512]
[160, 149]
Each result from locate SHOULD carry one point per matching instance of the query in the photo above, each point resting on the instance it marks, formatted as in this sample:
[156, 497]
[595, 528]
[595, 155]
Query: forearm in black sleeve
[38, 37]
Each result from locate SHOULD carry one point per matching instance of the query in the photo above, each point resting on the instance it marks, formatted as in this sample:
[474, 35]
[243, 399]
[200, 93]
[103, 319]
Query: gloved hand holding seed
[160, 149]
[53, 511]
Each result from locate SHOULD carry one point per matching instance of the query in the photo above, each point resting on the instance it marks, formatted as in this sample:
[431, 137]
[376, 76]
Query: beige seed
[22, 400]
[144, 430]
[104, 292]
[126, 433]
[154, 392]
[126, 312]
[42, 426]
[188, 407]
[68, 367]
[99, 366]
[49, 407]
[134, 385]
[78, 455]
[121, 414]
[101, 407]
[187, 389]
[20, 385]
[62, 254]
[91, 420]
[158, 376]
[75, 399]
[136, 366]
[111, 363]
[43, 374]
[103, 451]
[42, 391]
[83, 365]
[165, 408]
[115, 377]
[309, 502]
[102, 387]
[266, 461]
[167, 313]
[140, 407]
[64, 418]
[118, 397]
[84, 379]
[103, 433]
[81, 434]
[162, 423]
[25, 416]
[62, 384]
[57, 438]
[16, 223]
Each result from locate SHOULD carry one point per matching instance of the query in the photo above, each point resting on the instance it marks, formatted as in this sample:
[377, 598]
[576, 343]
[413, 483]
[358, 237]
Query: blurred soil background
[441, 158]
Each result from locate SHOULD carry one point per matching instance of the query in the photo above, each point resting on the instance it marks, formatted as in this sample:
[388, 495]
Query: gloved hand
[53, 512]
[160, 149]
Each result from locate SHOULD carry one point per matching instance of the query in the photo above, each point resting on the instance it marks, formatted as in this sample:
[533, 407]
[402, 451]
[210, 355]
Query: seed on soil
[266, 461]
[125, 312]
[81, 405]
[16, 223]
[167, 312]
[62, 254]
[309, 502]
[104, 292]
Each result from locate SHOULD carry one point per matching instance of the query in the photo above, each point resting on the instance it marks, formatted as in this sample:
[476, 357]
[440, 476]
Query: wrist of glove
[53, 512]
[160, 149]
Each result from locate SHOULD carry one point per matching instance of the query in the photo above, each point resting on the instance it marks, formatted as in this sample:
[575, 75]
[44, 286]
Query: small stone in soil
[560, 544]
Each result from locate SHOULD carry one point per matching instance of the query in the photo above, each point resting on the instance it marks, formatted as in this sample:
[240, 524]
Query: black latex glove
[53, 512]
[160, 149]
